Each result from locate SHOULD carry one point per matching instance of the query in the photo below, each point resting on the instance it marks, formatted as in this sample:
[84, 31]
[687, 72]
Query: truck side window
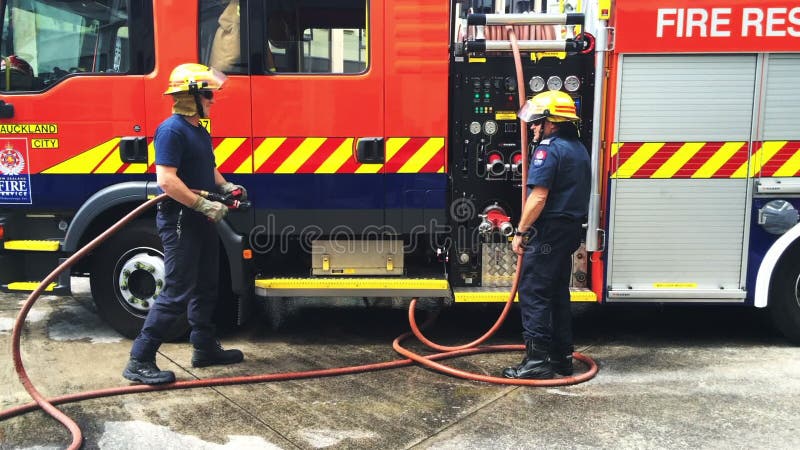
[44, 41]
[220, 35]
[307, 36]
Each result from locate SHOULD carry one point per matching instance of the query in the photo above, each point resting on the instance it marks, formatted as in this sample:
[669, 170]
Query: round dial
[536, 84]
[572, 83]
[475, 127]
[554, 83]
[490, 127]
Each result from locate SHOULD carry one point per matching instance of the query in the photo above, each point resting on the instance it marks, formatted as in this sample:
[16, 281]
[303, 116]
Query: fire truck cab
[379, 143]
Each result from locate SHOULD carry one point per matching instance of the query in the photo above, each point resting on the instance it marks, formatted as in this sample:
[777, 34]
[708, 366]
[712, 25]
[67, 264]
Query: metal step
[345, 287]
[677, 295]
[500, 294]
[33, 246]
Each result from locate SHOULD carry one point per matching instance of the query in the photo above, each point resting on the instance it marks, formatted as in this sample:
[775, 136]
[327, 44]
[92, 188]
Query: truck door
[72, 90]
[317, 113]
[215, 34]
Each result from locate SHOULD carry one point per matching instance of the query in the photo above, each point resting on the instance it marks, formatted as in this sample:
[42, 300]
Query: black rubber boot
[215, 355]
[562, 364]
[147, 372]
[535, 365]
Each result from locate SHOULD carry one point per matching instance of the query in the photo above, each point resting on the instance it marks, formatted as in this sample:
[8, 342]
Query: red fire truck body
[379, 144]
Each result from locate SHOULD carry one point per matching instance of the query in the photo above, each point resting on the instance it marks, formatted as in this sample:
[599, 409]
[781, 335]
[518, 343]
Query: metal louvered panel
[676, 232]
[686, 98]
[782, 104]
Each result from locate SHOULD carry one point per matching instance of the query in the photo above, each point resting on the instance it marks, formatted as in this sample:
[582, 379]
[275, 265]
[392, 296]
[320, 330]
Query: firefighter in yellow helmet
[185, 221]
[549, 232]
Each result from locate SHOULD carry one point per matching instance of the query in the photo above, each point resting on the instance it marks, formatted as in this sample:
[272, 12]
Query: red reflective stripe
[404, 154]
[733, 164]
[320, 155]
[780, 158]
[435, 164]
[657, 160]
[699, 158]
[236, 159]
[281, 154]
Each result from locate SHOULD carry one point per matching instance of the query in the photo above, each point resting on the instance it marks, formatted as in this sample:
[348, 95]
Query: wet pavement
[670, 377]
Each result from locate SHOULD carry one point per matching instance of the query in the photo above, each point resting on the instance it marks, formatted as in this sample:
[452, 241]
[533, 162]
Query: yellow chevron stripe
[678, 160]
[638, 159]
[615, 148]
[246, 166]
[422, 156]
[338, 158]
[142, 167]
[718, 160]
[758, 159]
[226, 148]
[85, 161]
[265, 150]
[393, 145]
[791, 167]
[110, 165]
[369, 168]
[300, 155]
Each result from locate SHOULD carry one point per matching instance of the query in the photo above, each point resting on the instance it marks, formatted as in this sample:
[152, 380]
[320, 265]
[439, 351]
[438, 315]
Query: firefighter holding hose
[549, 232]
[185, 221]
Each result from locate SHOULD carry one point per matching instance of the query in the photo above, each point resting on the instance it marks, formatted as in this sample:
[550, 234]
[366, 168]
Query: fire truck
[381, 150]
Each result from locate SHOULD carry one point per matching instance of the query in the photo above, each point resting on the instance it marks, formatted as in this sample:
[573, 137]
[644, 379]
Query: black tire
[784, 295]
[124, 300]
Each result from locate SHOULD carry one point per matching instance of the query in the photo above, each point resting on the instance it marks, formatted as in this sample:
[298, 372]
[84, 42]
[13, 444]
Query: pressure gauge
[475, 127]
[554, 83]
[572, 83]
[490, 127]
[536, 84]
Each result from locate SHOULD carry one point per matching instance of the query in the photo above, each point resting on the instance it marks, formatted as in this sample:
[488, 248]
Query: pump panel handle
[526, 19]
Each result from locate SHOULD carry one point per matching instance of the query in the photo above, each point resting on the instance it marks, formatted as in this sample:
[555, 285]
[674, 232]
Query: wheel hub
[140, 278]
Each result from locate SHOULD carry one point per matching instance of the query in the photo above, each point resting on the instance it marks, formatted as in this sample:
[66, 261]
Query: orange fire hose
[48, 405]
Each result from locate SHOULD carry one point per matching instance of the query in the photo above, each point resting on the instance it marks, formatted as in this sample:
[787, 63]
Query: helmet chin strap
[194, 89]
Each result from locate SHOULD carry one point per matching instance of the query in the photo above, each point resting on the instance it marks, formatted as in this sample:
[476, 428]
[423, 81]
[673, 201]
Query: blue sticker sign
[15, 181]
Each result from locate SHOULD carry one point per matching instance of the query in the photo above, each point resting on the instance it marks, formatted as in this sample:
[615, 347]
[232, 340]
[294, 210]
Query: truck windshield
[45, 40]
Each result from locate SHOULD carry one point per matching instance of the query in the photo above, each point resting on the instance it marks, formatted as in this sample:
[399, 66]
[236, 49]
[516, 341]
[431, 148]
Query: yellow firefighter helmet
[555, 106]
[192, 77]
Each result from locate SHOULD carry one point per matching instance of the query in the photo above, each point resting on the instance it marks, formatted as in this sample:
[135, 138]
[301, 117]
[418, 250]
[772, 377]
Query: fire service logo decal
[15, 182]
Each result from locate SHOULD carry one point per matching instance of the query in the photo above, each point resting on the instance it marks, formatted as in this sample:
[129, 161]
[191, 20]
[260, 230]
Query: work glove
[215, 211]
[228, 187]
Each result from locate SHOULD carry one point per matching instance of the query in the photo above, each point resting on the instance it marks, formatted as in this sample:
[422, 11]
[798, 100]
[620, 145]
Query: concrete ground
[670, 377]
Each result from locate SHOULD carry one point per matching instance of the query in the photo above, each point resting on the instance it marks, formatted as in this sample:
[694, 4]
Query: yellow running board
[28, 286]
[495, 295]
[33, 246]
[389, 287]
[343, 287]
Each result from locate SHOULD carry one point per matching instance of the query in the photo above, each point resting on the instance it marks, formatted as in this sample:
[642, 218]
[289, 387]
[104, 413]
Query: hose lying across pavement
[429, 361]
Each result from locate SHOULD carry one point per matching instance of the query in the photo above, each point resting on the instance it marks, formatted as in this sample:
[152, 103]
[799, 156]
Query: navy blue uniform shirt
[188, 148]
[563, 167]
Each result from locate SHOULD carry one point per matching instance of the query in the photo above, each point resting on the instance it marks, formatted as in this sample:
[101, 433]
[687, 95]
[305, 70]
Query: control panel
[485, 154]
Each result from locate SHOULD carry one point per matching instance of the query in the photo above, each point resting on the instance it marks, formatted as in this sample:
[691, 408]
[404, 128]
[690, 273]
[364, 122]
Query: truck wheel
[127, 275]
[784, 296]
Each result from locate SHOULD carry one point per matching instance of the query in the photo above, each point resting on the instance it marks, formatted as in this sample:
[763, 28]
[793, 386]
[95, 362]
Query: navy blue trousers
[544, 283]
[191, 285]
